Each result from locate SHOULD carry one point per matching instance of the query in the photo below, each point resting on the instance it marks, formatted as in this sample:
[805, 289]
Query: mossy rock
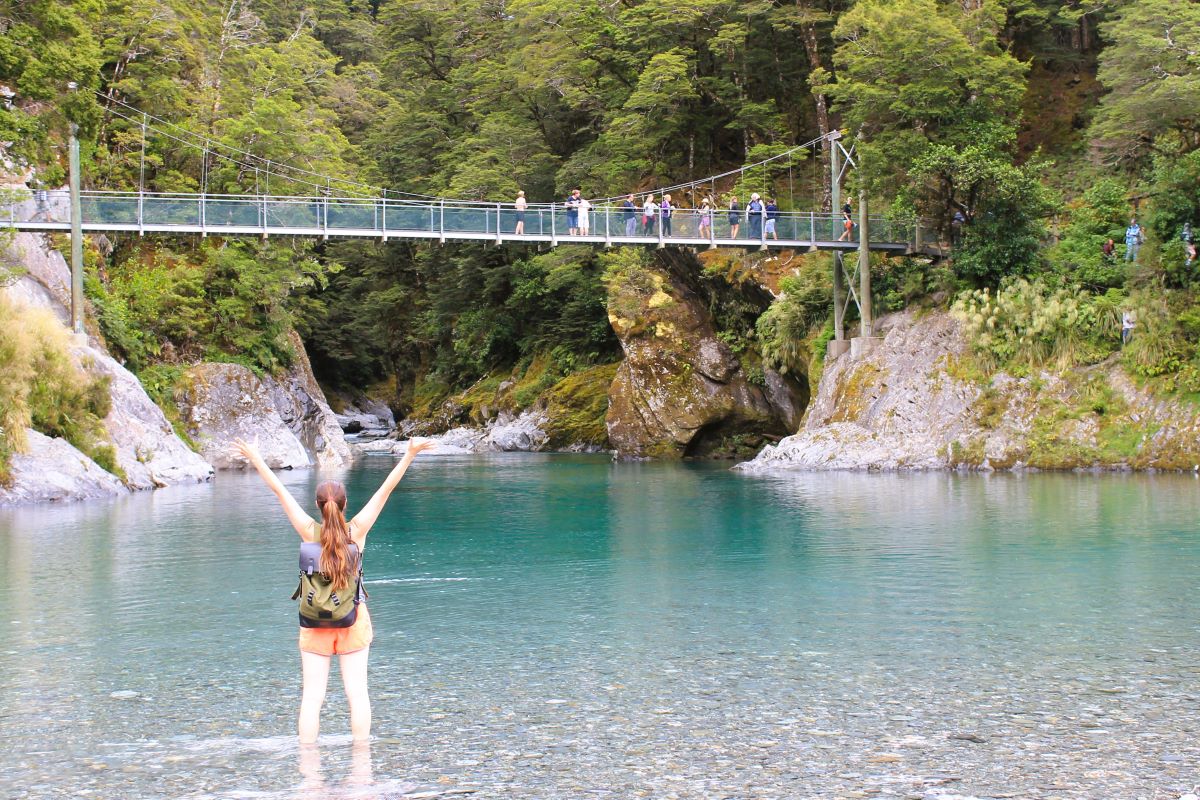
[576, 408]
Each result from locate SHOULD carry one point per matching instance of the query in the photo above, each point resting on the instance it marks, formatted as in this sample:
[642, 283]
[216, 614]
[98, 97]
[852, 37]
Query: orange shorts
[339, 641]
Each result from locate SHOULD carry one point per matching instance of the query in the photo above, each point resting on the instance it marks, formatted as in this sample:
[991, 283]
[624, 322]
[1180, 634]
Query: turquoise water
[562, 626]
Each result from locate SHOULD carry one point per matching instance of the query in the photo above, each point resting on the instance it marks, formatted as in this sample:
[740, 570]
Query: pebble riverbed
[699, 635]
[721, 725]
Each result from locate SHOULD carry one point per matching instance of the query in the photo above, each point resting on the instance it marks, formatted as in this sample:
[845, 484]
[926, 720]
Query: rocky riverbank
[906, 405]
[287, 414]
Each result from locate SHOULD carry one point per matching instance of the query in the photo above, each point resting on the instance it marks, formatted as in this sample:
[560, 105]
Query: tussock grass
[45, 389]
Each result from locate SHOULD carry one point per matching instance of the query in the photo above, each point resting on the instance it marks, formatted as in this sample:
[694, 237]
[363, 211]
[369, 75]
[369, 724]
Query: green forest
[1045, 125]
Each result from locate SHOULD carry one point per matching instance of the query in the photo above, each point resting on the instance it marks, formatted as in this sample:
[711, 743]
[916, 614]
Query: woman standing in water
[342, 543]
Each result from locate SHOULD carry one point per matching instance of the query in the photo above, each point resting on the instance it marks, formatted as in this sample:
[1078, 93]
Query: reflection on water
[557, 626]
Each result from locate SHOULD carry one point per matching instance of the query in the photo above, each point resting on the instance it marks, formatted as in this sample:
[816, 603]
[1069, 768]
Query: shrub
[44, 389]
[1028, 325]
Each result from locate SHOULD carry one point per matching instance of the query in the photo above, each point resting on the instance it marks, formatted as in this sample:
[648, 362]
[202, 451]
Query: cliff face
[681, 390]
[290, 408]
[146, 448]
[902, 407]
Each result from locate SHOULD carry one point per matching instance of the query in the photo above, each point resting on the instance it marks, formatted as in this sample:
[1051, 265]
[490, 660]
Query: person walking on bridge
[735, 216]
[629, 211]
[754, 216]
[705, 216]
[649, 213]
[520, 205]
[772, 214]
[667, 210]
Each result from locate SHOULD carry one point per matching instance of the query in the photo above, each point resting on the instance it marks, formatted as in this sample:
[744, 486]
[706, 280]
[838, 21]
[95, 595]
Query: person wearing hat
[754, 216]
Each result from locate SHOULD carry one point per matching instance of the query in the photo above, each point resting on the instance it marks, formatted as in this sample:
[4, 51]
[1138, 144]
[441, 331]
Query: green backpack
[320, 605]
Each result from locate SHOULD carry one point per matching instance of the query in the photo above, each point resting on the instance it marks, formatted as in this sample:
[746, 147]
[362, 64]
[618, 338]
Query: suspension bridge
[325, 217]
[336, 208]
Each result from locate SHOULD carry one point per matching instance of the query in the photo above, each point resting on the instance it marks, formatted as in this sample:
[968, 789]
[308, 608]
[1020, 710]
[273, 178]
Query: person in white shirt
[585, 217]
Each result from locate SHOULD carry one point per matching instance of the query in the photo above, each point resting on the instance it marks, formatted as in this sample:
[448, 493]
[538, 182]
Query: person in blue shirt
[1133, 240]
[772, 213]
[629, 210]
[754, 216]
[572, 204]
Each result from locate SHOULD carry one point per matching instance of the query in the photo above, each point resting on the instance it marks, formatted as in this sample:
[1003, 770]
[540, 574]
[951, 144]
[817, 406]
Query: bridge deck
[329, 217]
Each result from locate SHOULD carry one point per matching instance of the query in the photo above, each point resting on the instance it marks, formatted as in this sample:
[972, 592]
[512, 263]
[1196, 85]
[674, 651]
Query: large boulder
[904, 406]
[223, 402]
[681, 391]
[147, 448]
[51, 470]
[301, 404]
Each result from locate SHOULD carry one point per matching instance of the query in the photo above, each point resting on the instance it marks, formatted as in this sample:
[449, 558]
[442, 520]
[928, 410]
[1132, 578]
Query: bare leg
[310, 771]
[354, 678]
[315, 671]
[360, 764]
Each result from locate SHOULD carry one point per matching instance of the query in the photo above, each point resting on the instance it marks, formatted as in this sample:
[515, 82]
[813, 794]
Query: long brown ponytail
[336, 563]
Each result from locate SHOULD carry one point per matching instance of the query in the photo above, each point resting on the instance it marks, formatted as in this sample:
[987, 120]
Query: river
[555, 626]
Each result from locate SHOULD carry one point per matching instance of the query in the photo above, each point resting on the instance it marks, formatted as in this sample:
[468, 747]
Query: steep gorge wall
[902, 406]
[290, 408]
[681, 390]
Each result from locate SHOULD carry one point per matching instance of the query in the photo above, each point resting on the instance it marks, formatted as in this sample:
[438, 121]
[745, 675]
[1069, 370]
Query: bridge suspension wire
[209, 146]
[713, 178]
[197, 141]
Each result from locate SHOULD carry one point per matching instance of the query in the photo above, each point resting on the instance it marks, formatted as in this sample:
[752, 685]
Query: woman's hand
[247, 451]
[419, 445]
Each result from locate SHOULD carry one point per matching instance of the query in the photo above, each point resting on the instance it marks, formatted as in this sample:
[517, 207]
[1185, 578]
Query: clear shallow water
[560, 626]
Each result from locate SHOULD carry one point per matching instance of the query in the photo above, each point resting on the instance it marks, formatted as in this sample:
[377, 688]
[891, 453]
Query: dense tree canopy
[946, 103]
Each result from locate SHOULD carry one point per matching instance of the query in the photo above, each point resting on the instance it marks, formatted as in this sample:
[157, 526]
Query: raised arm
[365, 518]
[301, 521]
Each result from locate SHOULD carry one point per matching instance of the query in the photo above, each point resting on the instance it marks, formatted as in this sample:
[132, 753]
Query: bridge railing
[433, 219]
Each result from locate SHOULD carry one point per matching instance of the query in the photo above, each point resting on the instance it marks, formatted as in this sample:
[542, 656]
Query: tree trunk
[813, 49]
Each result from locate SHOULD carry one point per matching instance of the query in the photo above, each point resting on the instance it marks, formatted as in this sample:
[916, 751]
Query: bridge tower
[844, 292]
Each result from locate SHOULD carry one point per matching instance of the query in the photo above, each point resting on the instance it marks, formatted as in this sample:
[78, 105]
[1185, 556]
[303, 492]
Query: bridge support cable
[142, 183]
[864, 267]
[835, 195]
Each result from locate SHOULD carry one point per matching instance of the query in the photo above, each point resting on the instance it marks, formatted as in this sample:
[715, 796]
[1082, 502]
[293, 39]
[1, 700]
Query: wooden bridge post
[76, 232]
[864, 266]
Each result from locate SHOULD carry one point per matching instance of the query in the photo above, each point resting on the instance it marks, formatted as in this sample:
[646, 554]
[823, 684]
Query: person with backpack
[333, 617]
[1133, 240]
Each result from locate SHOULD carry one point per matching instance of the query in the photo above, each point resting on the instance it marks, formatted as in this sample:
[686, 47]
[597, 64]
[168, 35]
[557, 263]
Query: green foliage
[221, 301]
[46, 390]
[1027, 326]
[783, 330]
[1149, 69]
[1100, 214]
